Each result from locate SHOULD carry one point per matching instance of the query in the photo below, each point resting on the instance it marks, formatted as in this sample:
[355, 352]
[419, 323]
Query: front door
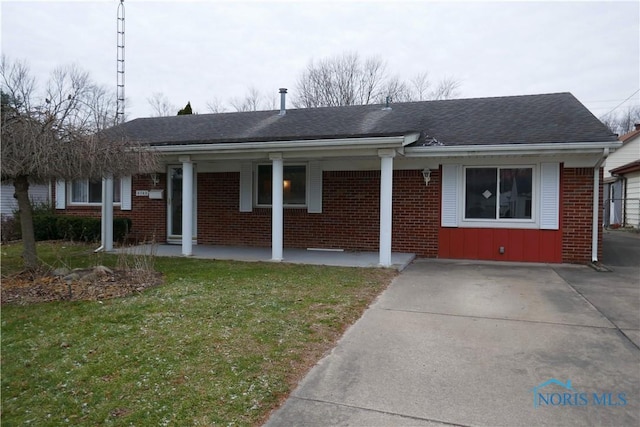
[174, 204]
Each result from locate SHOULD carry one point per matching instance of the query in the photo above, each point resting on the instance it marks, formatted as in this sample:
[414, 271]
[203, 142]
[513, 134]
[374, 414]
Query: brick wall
[577, 215]
[349, 218]
[148, 217]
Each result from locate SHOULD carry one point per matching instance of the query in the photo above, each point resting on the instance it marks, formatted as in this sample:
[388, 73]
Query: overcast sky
[198, 51]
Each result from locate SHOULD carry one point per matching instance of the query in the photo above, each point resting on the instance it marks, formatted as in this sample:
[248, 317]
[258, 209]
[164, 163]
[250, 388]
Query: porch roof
[528, 119]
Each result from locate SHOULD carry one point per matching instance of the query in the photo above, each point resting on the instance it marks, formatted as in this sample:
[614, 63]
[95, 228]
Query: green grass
[220, 343]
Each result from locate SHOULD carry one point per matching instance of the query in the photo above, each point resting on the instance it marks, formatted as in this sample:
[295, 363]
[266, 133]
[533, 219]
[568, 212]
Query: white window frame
[70, 201]
[289, 206]
[498, 222]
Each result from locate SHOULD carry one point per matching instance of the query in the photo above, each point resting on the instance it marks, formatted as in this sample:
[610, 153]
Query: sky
[200, 51]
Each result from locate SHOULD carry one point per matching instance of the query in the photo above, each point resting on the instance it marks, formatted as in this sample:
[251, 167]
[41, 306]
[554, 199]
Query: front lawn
[218, 343]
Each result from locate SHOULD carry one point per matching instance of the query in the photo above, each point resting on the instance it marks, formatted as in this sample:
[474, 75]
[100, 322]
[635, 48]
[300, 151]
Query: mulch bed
[34, 287]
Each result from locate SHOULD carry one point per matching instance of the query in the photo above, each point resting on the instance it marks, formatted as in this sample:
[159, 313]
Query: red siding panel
[485, 250]
[484, 244]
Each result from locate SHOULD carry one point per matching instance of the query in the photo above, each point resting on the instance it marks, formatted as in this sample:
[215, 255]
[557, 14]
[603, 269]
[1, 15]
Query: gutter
[596, 203]
[296, 145]
[510, 149]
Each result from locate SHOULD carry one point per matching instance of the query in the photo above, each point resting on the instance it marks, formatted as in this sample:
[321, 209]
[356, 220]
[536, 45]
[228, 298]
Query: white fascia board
[297, 145]
[410, 138]
[511, 149]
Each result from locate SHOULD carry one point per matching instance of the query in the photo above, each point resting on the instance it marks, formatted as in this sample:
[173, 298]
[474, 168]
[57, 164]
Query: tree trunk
[29, 255]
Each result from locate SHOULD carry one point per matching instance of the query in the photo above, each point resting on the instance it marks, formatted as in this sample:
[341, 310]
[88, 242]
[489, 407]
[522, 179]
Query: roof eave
[399, 142]
[512, 149]
[627, 168]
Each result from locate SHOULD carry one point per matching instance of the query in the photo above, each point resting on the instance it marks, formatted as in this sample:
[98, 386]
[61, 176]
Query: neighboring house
[38, 193]
[622, 183]
[629, 176]
[508, 178]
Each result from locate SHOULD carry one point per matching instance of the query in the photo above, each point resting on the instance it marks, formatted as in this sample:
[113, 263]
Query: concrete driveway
[466, 343]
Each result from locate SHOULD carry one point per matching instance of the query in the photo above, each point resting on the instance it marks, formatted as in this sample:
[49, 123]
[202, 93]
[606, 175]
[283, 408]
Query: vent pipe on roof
[387, 106]
[283, 101]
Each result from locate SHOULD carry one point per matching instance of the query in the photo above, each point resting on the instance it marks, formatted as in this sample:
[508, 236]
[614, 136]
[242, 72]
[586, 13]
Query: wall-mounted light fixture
[286, 184]
[155, 179]
[426, 174]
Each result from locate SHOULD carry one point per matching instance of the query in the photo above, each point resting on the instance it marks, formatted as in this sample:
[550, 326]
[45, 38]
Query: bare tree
[215, 106]
[160, 105]
[59, 136]
[395, 90]
[447, 88]
[340, 80]
[623, 121]
[348, 80]
[420, 86]
[252, 101]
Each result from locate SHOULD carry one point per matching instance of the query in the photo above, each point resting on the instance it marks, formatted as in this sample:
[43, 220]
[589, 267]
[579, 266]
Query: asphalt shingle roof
[548, 118]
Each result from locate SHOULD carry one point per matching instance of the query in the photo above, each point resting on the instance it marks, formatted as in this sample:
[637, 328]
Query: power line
[628, 98]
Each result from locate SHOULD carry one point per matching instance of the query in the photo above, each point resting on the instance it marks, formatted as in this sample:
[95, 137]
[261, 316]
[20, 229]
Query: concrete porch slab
[295, 256]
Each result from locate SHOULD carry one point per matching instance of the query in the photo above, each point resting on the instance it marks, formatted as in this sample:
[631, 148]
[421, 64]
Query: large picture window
[84, 191]
[294, 186]
[498, 193]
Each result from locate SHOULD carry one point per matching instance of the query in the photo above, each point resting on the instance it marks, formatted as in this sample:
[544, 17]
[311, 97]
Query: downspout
[596, 203]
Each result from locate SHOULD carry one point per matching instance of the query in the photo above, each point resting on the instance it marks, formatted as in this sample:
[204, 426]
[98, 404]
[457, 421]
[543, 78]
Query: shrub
[49, 226]
[78, 228]
[121, 228]
[87, 229]
[9, 228]
[44, 222]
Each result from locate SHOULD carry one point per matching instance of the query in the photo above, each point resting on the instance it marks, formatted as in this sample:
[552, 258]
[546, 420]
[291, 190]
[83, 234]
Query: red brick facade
[349, 220]
[350, 214]
[576, 204]
[148, 217]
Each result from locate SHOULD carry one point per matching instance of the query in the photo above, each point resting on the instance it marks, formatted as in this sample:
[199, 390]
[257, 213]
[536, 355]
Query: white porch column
[277, 203]
[108, 244]
[386, 208]
[106, 217]
[187, 205]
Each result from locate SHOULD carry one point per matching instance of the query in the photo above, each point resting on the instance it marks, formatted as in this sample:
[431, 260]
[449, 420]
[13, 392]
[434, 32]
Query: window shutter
[246, 187]
[549, 195]
[125, 193]
[61, 196]
[315, 187]
[449, 195]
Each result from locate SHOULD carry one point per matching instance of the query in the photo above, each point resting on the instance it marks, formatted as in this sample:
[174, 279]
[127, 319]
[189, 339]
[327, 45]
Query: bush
[121, 228]
[9, 228]
[44, 222]
[88, 229]
[78, 228]
[49, 226]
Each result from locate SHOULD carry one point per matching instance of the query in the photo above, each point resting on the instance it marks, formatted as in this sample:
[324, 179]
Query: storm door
[174, 204]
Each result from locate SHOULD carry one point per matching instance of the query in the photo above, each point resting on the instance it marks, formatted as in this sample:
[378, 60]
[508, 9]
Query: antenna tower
[120, 65]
